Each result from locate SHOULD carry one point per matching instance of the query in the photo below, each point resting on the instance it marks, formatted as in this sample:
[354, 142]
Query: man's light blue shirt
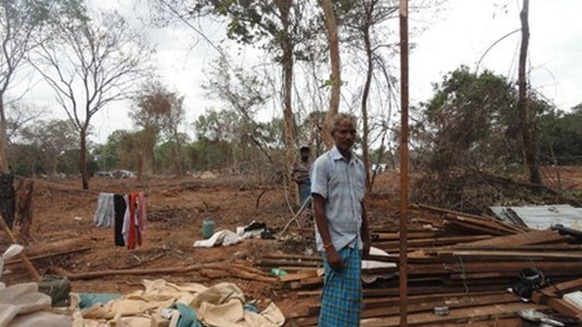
[343, 186]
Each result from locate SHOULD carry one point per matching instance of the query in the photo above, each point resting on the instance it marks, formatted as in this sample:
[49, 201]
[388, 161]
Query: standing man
[300, 174]
[342, 235]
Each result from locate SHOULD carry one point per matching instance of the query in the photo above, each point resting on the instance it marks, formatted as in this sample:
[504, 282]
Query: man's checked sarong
[341, 298]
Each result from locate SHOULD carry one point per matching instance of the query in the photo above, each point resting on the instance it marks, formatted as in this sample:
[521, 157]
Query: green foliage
[108, 154]
[468, 136]
[265, 23]
[562, 142]
[42, 147]
[471, 120]
[221, 125]
[206, 154]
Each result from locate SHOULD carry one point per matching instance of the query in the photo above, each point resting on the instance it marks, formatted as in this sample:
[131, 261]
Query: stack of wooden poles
[460, 270]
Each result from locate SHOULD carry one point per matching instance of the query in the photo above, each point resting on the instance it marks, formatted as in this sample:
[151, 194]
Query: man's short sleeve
[320, 176]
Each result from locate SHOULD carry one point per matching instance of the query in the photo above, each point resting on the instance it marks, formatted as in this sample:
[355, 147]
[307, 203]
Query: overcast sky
[459, 34]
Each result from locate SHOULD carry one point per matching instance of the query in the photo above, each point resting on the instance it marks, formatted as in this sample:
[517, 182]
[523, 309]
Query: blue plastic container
[207, 228]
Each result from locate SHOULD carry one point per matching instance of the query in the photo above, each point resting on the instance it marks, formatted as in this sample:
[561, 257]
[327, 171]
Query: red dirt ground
[176, 209]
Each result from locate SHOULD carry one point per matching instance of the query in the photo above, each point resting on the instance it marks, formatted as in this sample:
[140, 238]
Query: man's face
[345, 136]
[304, 155]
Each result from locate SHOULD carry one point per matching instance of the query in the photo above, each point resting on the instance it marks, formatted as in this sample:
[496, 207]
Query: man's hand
[333, 258]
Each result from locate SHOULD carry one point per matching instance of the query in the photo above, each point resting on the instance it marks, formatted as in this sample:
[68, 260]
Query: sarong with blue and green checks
[341, 298]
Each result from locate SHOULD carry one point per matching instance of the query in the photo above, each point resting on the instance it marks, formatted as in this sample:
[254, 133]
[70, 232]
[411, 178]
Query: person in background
[300, 174]
[342, 235]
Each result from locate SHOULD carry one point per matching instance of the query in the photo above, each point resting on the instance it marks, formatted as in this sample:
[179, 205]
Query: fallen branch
[296, 215]
[48, 255]
[234, 270]
[72, 244]
[141, 262]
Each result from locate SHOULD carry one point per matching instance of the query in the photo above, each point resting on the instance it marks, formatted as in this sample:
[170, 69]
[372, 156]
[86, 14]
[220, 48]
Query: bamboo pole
[403, 280]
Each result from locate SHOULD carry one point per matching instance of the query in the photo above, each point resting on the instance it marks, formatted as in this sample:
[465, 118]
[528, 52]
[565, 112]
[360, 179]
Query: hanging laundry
[120, 206]
[134, 219]
[105, 212]
[141, 204]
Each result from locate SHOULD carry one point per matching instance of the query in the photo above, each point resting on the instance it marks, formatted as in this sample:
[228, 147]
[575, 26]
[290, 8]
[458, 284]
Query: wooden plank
[456, 315]
[451, 303]
[557, 304]
[283, 262]
[381, 302]
[490, 223]
[298, 276]
[411, 236]
[307, 283]
[512, 247]
[412, 290]
[532, 237]
[561, 288]
[431, 241]
[505, 322]
[507, 254]
[511, 274]
[516, 266]
[292, 257]
[290, 268]
[428, 305]
[473, 226]
[443, 211]
[383, 294]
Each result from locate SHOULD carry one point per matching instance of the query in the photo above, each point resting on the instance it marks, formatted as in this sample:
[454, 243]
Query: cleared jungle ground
[176, 209]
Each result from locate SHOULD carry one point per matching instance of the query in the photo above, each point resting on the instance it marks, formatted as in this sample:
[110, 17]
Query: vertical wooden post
[403, 278]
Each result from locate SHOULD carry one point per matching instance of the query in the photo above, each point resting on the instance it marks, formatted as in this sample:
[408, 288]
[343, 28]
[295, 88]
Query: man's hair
[304, 148]
[341, 119]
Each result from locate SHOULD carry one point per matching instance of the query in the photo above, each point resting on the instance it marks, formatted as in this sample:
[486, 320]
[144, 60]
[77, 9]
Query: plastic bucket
[207, 228]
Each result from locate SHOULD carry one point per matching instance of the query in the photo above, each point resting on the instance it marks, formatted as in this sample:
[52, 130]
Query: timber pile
[464, 262]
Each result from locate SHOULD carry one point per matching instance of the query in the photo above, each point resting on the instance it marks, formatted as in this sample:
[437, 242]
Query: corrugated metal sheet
[541, 217]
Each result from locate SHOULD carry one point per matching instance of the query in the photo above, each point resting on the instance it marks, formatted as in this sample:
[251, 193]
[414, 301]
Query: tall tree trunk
[177, 151]
[284, 7]
[331, 28]
[288, 112]
[528, 144]
[83, 159]
[140, 165]
[4, 168]
[365, 150]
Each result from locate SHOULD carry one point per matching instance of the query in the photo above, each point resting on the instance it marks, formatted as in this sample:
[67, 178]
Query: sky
[460, 33]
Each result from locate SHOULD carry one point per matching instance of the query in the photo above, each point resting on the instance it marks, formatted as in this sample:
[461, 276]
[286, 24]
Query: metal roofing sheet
[542, 217]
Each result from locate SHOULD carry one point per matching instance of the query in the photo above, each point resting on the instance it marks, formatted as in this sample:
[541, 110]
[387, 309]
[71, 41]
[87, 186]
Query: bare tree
[90, 65]
[331, 28]
[274, 25]
[522, 104]
[23, 26]
[361, 19]
[242, 91]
